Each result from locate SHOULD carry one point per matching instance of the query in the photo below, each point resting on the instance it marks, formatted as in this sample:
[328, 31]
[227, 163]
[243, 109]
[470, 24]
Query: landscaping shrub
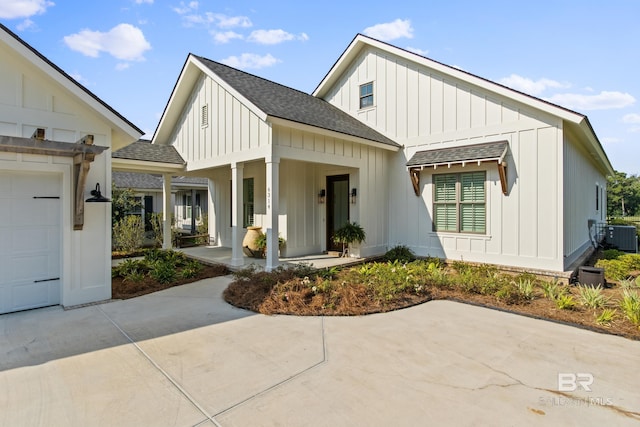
[620, 268]
[163, 271]
[592, 297]
[630, 306]
[606, 317]
[128, 233]
[400, 253]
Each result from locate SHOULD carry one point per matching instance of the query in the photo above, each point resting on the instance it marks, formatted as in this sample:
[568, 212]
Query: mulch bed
[355, 300]
[124, 289]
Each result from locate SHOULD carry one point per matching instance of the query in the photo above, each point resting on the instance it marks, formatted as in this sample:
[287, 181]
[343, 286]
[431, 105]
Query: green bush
[163, 272]
[128, 233]
[400, 253]
[129, 266]
[612, 253]
[621, 267]
[630, 305]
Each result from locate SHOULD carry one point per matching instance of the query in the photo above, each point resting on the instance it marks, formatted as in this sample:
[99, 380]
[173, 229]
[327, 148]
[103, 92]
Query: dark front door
[337, 207]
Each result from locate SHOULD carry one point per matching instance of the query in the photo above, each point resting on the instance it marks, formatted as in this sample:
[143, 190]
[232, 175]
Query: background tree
[123, 201]
[623, 195]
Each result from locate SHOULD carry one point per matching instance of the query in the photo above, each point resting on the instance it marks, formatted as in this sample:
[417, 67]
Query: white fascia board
[596, 148]
[330, 133]
[179, 96]
[128, 165]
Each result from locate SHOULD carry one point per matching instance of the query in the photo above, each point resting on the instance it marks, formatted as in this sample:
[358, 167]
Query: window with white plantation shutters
[459, 202]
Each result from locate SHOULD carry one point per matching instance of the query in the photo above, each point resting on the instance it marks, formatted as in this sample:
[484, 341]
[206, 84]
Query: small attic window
[204, 116]
[366, 95]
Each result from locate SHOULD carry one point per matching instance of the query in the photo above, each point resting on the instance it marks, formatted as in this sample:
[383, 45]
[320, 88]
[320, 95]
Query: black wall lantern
[354, 194]
[321, 195]
[96, 196]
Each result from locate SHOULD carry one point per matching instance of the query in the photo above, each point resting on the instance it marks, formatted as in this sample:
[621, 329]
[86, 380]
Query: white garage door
[30, 211]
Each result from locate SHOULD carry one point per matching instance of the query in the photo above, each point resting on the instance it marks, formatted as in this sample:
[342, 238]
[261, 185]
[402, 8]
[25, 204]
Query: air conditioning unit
[623, 237]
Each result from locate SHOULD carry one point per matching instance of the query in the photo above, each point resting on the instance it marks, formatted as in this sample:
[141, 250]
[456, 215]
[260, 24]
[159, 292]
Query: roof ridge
[253, 75]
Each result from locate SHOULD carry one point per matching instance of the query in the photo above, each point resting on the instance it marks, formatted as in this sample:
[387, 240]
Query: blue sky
[583, 55]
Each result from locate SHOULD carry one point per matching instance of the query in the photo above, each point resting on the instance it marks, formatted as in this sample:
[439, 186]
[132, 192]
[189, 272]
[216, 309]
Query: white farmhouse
[419, 153]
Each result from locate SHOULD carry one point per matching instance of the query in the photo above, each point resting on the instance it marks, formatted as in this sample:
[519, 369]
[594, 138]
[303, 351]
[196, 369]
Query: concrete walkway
[183, 357]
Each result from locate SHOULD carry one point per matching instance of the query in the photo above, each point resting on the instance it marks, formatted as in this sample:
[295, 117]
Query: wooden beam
[81, 165]
[502, 170]
[414, 175]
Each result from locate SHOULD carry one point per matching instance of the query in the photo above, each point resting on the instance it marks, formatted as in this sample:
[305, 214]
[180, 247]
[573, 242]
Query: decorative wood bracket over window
[460, 155]
[414, 175]
[502, 171]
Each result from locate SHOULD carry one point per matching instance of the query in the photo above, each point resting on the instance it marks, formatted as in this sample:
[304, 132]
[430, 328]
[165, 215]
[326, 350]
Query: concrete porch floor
[222, 255]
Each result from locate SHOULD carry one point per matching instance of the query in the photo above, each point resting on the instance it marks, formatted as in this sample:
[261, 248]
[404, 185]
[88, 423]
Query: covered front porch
[223, 255]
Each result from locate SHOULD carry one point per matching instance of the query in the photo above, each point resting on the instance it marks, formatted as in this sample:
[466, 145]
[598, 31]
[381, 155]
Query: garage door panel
[29, 241]
[28, 295]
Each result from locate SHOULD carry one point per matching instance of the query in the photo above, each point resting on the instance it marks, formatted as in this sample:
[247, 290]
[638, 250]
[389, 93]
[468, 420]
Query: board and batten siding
[231, 131]
[421, 109]
[582, 180]
[31, 99]
[367, 167]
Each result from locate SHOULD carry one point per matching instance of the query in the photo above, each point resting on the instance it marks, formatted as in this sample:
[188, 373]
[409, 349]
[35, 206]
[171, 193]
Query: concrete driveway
[183, 357]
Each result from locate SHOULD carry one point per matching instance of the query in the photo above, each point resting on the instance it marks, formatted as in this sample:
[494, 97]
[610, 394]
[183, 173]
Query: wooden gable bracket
[81, 164]
[414, 175]
[502, 171]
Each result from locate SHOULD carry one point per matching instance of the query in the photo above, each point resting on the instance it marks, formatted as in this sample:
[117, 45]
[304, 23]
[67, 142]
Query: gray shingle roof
[143, 149]
[492, 150]
[286, 103]
[147, 181]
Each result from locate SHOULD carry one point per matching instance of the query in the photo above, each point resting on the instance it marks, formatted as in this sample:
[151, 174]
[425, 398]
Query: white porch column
[273, 210]
[167, 209]
[211, 213]
[237, 175]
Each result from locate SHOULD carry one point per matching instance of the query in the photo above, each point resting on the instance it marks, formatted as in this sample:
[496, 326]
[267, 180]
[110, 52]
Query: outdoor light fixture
[96, 196]
[354, 193]
[321, 196]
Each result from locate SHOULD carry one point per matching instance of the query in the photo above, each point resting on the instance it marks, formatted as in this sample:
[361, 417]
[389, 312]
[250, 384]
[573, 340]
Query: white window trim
[373, 95]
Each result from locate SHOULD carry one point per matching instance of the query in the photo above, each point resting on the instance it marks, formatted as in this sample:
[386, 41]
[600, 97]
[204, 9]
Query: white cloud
[190, 17]
[390, 30]
[122, 66]
[605, 100]
[225, 37]
[124, 42]
[631, 118]
[27, 23]
[186, 8]
[224, 21]
[274, 36]
[529, 86]
[13, 9]
[250, 60]
[144, 1]
[419, 51]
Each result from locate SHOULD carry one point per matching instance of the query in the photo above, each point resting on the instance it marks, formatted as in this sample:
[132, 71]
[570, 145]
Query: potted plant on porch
[351, 232]
[261, 244]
